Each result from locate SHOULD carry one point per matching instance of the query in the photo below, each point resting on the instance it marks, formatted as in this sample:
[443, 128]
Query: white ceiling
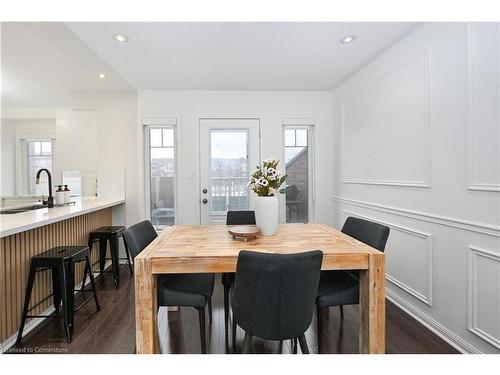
[41, 63]
[238, 56]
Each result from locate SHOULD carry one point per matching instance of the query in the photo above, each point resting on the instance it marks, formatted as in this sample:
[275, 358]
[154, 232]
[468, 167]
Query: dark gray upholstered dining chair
[338, 288]
[193, 290]
[233, 218]
[273, 295]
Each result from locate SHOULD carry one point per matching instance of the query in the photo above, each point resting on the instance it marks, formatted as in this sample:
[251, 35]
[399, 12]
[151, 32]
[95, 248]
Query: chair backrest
[240, 218]
[368, 232]
[274, 294]
[138, 236]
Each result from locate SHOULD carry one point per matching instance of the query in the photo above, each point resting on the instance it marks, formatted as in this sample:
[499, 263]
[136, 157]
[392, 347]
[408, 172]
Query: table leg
[145, 308]
[372, 306]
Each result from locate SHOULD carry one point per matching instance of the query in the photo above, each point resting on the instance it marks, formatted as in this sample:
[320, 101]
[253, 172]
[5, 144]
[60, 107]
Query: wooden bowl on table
[244, 232]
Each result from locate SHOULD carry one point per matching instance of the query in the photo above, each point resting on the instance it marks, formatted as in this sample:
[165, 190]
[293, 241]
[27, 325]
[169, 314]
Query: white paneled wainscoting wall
[442, 271]
[417, 148]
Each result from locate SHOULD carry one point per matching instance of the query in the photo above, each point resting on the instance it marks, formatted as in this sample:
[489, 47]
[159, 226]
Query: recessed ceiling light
[120, 38]
[101, 75]
[348, 39]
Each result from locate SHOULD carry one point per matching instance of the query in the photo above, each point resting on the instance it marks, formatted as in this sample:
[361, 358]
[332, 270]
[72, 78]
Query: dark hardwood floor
[112, 329]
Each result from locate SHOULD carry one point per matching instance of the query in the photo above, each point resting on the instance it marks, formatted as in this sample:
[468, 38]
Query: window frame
[27, 157]
[147, 166]
[22, 139]
[311, 174]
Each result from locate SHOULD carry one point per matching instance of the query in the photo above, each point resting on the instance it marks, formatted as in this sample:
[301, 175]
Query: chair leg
[56, 289]
[226, 313]
[201, 316]
[115, 262]
[303, 344]
[247, 344]
[210, 310]
[69, 277]
[320, 328]
[63, 287]
[233, 334]
[27, 297]
[84, 280]
[341, 312]
[102, 254]
[280, 347]
[129, 258]
[294, 345]
[88, 267]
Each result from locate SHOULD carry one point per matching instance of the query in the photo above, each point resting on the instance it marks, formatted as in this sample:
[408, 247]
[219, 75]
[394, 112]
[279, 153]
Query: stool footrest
[121, 265]
[41, 316]
[40, 302]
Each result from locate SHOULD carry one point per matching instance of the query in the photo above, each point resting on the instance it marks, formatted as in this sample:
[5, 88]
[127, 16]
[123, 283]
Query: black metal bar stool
[61, 261]
[111, 234]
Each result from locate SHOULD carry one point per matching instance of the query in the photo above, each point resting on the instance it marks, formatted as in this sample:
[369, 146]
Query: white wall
[270, 107]
[417, 147]
[76, 146]
[117, 143]
[8, 158]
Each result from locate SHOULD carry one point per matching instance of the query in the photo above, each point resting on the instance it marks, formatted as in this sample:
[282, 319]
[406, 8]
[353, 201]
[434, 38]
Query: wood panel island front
[29, 233]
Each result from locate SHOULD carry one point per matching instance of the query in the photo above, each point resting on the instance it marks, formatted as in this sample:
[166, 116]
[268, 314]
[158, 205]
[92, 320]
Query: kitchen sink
[17, 210]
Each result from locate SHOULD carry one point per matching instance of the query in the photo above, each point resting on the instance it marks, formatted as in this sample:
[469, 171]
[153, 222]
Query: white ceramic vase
[266, 215]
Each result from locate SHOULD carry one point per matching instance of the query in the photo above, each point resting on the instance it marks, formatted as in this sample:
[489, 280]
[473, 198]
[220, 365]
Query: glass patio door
[229, 150]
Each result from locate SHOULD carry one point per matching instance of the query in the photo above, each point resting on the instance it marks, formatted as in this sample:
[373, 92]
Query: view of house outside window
[297, 168]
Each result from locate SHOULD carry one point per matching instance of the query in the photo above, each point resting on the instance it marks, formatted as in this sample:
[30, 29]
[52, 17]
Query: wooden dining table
[211, 249]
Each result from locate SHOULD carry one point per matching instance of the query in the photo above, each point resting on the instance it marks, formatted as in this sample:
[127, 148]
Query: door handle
[204, 200]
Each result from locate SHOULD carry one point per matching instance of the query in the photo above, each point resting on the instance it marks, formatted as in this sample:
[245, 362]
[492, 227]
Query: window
[39, 155]
[298, 166]
[161, 162]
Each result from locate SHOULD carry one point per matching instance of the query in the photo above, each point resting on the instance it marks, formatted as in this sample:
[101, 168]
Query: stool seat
[63, 253]
[107, 230]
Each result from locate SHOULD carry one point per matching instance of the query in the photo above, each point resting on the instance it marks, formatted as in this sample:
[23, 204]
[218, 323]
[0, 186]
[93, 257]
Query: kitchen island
[29, 233]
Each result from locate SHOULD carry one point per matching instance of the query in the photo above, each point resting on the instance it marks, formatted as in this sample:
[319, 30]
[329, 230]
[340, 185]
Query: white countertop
[15, 223]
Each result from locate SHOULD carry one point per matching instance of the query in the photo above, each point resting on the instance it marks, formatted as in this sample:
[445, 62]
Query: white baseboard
[444, 333]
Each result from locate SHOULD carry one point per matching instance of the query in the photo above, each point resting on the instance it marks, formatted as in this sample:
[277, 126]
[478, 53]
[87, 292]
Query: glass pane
[289, 137]
[155, 137]
[229, 170]
[35, 163]
[162, 183]
[168, 137]
[291, 152]
[46, 148]
[38, 148]
[297, 183]
[301, 138]
[34, 148]
[162, 153]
